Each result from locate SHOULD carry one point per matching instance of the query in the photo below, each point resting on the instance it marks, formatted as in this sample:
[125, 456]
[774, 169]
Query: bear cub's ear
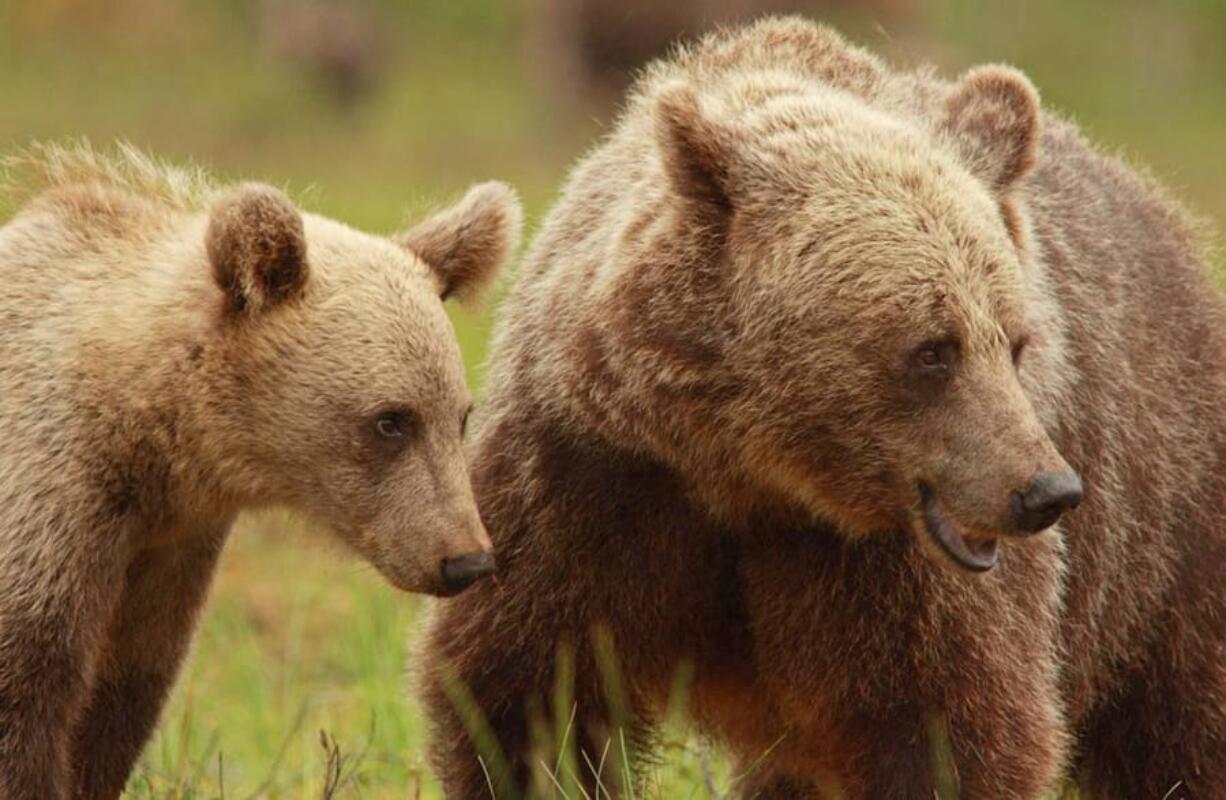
[993, 117]
[465, 244]
[695, 149]
[257, 248]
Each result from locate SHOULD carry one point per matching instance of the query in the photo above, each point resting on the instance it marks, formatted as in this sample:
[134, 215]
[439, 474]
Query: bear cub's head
[338, 385]
[885, 330]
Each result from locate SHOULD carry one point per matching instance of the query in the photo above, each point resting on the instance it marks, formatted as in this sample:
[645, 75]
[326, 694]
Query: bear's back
[84, 271]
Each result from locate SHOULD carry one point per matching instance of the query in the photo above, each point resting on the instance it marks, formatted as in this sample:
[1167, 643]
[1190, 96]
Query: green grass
[298, 678]
[297, 642]
[299, 646]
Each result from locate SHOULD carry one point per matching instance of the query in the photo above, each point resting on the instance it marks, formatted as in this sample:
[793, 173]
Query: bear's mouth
[976, 555]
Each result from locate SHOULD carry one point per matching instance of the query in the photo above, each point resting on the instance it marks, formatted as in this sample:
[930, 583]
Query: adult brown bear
[802, 369]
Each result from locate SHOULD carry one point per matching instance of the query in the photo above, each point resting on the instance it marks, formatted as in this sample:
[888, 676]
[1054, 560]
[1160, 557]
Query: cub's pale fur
[172, 352]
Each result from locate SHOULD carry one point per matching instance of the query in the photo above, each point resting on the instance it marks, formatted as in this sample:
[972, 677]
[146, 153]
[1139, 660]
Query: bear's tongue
[977, 555]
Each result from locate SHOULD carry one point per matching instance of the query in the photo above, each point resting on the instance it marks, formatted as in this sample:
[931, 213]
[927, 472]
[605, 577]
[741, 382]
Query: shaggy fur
[172, 353]
[792, 294]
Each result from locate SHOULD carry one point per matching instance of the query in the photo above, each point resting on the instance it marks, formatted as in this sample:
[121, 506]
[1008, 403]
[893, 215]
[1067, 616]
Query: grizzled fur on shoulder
[172, 352]
[799, 375]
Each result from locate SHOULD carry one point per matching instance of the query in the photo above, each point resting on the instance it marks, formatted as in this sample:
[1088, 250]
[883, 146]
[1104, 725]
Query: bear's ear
[696, 150]
[465, 244]
[257, 248]
[993, 117]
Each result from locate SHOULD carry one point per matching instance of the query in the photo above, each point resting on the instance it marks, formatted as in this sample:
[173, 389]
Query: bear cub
[173, 352]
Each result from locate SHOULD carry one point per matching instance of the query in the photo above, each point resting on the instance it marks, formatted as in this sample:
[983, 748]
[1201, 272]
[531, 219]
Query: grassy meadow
[298, 685]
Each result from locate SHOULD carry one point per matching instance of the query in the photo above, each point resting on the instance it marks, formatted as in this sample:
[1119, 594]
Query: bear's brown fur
[171, 353]
[798, 320]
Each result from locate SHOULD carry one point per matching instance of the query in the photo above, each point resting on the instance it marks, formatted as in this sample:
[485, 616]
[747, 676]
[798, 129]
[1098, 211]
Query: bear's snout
[460, 572]
[1046, 498]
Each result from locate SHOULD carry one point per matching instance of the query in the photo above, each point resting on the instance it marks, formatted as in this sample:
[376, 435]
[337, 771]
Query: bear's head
[339, 388]
[872, 341]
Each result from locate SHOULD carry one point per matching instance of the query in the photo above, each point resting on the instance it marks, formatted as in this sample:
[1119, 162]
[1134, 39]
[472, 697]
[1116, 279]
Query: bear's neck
[160, 366]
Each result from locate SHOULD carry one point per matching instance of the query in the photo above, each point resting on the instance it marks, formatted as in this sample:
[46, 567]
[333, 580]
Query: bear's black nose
[461, 572]
[1047, 497]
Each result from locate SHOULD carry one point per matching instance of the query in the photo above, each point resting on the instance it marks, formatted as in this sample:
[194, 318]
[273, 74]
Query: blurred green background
[374, 111]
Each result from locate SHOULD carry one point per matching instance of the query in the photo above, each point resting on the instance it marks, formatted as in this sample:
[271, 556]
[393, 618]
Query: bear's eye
[389, 427]
[934, 357]
[393, 426]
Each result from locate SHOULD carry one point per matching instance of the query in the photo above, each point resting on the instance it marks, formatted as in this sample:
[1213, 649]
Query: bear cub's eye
[389, 426]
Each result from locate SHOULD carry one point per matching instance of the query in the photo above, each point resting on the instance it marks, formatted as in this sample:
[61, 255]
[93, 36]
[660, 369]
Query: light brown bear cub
[172, 353]
[799, 374]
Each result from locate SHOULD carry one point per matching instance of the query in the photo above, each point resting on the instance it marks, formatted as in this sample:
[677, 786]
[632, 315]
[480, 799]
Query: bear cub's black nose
[1047, 497]
[461, 572]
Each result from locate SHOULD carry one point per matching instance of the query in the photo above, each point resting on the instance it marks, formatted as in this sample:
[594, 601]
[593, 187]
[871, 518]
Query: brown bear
[796, 381]
[171, 353]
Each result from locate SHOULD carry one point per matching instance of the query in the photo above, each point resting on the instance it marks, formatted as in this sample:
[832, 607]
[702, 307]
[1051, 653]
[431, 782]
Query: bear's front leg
[901, 676]
[490, 659]
[996, 736]
[59, 590]
[147, 640]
